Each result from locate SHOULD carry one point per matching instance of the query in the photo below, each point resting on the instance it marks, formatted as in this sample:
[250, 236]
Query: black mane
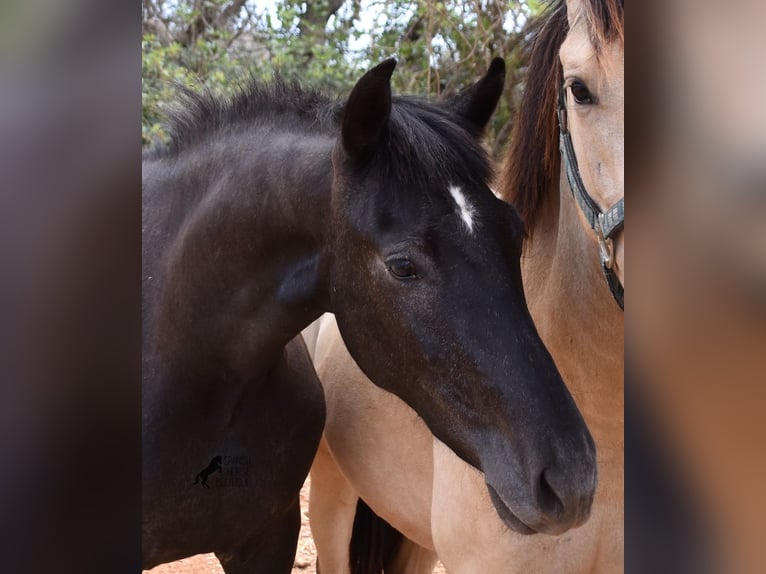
[426, 141]
[196, 116]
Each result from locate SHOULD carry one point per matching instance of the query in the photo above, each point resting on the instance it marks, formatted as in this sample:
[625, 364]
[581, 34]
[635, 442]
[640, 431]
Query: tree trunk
[211, 17]
[314, 20]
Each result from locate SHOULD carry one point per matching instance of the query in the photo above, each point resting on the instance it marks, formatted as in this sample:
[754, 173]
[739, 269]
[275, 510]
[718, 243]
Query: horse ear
[477, 103]
[365, 117]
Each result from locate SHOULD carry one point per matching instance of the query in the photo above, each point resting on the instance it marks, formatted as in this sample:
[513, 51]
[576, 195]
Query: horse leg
[411, 558]
[332, 506]
[271, 552]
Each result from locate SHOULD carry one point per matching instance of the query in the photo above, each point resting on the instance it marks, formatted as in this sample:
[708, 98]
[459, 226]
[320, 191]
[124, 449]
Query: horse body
[269, 210]
[181, 519]
[374, 447]
[220, 372]
[573, 310]
[408, 508]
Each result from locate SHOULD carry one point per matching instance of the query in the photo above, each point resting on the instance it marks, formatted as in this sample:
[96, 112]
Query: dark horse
[213, 467]
[265, 212]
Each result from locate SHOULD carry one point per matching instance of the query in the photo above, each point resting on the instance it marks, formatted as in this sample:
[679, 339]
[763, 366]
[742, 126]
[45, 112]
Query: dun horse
[376, 448]
[271, 209]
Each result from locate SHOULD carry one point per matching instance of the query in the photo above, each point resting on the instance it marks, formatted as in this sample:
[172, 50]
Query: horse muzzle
[550, 496]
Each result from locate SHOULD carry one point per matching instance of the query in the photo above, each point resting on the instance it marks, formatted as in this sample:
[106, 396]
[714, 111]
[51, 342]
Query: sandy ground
[305, 557]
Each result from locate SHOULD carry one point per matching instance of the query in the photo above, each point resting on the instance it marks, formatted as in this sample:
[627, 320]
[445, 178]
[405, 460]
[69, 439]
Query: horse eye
[402, 268]
[581, 93]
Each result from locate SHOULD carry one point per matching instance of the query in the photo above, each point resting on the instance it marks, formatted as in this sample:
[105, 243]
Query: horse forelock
[428, 149]
[531, 171]
[605, 20]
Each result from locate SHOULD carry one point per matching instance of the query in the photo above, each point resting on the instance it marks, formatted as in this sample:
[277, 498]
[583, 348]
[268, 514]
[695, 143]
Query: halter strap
[605, 224]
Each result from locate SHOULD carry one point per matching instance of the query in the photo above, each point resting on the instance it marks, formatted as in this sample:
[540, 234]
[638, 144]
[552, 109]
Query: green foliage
[441, 47]
[164, 65]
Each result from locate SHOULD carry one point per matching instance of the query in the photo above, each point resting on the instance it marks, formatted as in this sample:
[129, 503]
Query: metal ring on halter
[608, 224]
[605, 246]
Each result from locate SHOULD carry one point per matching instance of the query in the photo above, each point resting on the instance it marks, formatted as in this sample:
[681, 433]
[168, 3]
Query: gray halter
[605, 224]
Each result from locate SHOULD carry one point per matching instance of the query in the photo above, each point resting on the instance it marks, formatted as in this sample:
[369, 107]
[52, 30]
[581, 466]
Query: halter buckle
[605, 244]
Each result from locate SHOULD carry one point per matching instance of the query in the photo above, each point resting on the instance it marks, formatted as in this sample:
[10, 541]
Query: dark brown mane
[532, 167]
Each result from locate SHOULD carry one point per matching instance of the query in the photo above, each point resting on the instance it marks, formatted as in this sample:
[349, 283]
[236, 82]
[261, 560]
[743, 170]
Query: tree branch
[316, 16]
[231, 11]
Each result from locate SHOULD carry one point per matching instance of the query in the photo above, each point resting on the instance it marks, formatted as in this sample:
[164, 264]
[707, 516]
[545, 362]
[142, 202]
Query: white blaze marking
[466, 209]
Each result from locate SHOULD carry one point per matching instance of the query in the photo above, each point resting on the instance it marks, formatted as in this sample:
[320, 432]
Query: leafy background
[441, 47]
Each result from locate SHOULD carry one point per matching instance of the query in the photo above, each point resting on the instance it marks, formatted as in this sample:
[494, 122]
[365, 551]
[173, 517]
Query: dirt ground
[305, 557]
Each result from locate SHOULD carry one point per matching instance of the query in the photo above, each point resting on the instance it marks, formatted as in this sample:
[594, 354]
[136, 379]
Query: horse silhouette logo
[214, 466]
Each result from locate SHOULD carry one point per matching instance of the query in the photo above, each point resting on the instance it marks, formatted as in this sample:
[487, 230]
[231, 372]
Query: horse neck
[243, 273]
[577, 318]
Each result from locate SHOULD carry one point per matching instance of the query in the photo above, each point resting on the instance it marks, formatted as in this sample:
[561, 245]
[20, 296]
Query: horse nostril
[547, 498]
